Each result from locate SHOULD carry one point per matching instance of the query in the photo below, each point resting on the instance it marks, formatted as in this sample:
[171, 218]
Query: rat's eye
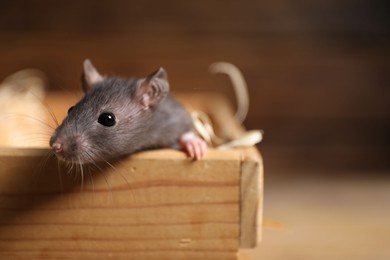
[107, 119]
[70, 109]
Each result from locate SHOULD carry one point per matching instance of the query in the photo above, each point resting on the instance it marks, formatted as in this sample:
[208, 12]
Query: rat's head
[109, 119]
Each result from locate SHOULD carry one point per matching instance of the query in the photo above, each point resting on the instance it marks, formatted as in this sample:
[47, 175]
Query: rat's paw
[193, 145]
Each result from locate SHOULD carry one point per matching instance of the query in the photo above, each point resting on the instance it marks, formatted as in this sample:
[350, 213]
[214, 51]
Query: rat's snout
[57, 147]
[53, 138]
[67, 148]
[56, 144]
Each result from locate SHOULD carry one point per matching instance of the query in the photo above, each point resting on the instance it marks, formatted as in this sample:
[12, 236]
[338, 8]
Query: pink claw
[193, 145]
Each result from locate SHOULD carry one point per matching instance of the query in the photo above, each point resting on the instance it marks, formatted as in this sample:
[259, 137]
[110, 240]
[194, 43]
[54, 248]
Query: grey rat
[120, 116]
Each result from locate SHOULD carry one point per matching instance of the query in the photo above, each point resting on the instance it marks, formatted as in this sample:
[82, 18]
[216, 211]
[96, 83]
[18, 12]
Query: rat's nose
[57, 147]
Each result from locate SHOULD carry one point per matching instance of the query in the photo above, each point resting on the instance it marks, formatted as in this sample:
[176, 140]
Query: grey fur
[137, 128]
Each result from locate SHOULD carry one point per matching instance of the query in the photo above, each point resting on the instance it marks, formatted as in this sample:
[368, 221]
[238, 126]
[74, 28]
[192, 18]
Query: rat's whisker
[132, 177]
[92, 154]
[77, 170]
[29, 117]
[81, 174]
[91, 160]
[70, 165]
[59, 173]
[48, 109]
[91, 179]
[39, 170]
[117, 171]
[30, 139]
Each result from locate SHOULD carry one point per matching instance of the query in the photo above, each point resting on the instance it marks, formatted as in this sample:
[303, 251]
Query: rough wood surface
[251, 203]
[153, 204]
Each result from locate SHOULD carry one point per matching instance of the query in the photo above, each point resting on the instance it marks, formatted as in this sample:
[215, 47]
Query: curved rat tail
[202, 122]
[239, 85]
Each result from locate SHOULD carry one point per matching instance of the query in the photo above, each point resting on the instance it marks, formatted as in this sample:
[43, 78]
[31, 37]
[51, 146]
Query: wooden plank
[143, 255]
[154, 205]
[251, 201]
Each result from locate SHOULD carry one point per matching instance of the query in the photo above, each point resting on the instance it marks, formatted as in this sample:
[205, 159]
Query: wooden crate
[152, 205]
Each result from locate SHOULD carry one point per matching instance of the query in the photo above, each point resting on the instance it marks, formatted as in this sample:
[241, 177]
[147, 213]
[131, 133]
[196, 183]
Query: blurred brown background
[318, 73]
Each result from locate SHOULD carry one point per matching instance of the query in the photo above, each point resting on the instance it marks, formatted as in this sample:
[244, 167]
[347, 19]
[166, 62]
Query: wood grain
[157, 205]
[251, 204]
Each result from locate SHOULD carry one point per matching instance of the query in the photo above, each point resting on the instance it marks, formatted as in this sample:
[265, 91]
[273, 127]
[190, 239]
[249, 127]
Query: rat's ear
[153, 88]
[90, 75]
